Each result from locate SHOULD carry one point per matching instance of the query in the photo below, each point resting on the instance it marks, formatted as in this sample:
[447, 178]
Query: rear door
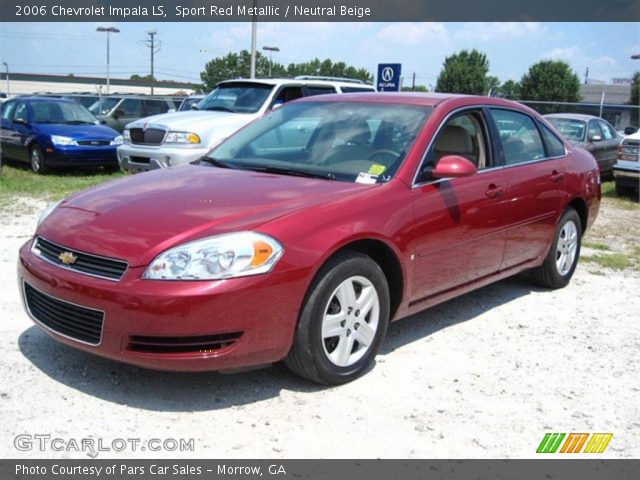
[459, 233]
[610, 142]
[534, 162]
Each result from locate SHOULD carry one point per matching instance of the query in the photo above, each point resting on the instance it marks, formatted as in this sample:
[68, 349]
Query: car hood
[195, 120]
[78, 132]
[138, 217]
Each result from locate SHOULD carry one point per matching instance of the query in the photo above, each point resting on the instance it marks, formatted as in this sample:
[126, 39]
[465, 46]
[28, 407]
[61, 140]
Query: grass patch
[596, 245]
[614, 261]
[609, 191]
[20, 181]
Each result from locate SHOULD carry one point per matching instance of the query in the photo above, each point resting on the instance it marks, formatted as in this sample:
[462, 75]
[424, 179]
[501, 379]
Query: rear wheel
[562, 259]
[36, 159]
[343, 321]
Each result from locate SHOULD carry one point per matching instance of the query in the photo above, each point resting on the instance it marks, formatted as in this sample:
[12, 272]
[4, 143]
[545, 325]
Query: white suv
[627, 167]
[177, 138]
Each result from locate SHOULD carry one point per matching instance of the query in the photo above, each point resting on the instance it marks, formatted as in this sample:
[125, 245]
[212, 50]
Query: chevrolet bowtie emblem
[67, 258]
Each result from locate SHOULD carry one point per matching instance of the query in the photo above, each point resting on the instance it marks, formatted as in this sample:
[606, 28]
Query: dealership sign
[389, 77]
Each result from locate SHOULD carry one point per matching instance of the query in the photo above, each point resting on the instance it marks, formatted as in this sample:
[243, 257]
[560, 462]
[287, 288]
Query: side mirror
[171, 110]
[194, 106]
[630, 130]
[118, 113]
[277, 104]
[20, 121]
[595, 138]
[452, 166]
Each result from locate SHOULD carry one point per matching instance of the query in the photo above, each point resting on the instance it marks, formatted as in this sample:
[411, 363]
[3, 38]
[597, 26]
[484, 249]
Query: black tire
[548, 275]
[38, 164]
[308, 357]
[621, 190]
[111, 168]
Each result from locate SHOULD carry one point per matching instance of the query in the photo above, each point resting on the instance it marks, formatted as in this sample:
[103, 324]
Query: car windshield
[571, 128]
[238, 97]
[61, 112]
[104, 105]
[346, 141]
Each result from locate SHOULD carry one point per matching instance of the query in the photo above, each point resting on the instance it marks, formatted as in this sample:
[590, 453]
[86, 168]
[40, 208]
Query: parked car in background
[591, 133]
[84, 99]
[51, 132]
[119, 110]
[303, 235]
[182, 137]
[627, 167]
[188, 102]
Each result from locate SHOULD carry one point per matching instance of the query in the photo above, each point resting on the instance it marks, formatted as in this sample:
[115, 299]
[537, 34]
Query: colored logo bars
[597, 442]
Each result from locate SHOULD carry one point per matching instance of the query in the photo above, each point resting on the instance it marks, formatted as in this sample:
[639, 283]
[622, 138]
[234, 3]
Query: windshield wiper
[220, 108]
[77, 122]
[213, 161]
[290, 171]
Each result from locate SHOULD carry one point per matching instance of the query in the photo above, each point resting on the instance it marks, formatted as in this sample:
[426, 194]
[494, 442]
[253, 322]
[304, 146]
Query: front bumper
[264, 308]
[71, 156]
[134, 158]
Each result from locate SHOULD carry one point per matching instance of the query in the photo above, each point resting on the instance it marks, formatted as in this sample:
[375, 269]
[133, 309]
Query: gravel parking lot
[482, 376]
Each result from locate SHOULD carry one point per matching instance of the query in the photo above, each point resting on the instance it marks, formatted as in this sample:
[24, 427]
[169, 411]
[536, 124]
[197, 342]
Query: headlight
[47, 211]
[62, 141]
[182, 137]
[116, 141]
[126, 136]
[222, 256]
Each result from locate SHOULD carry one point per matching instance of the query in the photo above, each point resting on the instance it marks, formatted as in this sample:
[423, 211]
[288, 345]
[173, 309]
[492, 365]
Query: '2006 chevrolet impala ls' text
[300, 238]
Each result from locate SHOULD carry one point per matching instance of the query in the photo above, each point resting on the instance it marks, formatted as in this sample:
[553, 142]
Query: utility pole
[413, 82]
[152, 47]
[586, 76]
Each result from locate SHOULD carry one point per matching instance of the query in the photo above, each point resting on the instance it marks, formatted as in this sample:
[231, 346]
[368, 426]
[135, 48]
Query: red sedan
[302, 236]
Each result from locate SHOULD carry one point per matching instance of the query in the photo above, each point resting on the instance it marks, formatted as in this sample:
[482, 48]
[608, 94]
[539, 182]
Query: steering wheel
[384, 152]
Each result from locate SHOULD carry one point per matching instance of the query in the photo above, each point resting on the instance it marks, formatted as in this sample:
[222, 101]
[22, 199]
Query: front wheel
[36, 159]
[561, 261]
[343, 321]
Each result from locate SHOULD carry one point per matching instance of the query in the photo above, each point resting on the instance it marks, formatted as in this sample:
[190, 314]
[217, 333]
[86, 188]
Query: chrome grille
[150, 136]
[84, 262]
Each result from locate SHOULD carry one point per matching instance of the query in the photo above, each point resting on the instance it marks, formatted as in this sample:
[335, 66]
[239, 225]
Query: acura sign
[389, 77]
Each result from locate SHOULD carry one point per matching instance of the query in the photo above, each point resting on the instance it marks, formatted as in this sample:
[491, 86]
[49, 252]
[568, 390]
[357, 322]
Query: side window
[519, 136]
[131, 107]
[21, 112]
[356, 90]
[594, 130]
[319, 90]
[287, 94]
[464, 135]
[607, 131]
[7, 110]
[555, 148]
[155, 107]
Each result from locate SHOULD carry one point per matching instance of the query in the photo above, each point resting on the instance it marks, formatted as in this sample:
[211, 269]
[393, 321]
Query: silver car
[177, 138]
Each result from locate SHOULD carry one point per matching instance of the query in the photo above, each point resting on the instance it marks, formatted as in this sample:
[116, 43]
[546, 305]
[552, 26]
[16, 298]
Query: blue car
[54, 132]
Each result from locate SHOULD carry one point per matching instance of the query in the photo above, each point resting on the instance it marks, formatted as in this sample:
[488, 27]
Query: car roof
[306, 81]
[36, 98]
[574, 116]
[416, 98]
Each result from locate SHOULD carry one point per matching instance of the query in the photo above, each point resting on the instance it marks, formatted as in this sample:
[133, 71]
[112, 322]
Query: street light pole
[6, 66]
[254, 34]
[271, 50]
[108, 30]
[637, 57]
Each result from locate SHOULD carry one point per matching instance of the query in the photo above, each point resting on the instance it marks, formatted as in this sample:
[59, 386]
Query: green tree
[141, 78]
[418, 88]
[510, 90]
[464, 72]
[238, 65]
[550, 81]
[635, 97]
[493, 85]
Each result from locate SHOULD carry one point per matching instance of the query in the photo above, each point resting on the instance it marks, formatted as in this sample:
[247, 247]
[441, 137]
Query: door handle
[557, 176]
[494, 191]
